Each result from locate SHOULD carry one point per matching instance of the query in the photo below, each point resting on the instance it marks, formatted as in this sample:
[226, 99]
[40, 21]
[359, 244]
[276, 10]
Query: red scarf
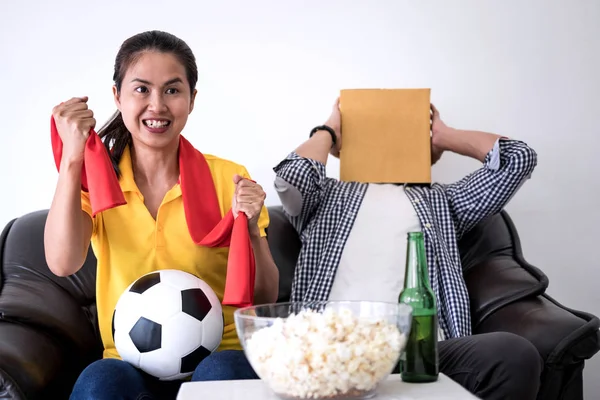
[200, 202]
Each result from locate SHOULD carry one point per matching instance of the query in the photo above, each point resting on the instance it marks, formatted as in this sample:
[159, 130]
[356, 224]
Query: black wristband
[324, 128]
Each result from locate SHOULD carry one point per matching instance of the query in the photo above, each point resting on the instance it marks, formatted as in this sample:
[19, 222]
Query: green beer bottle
[421, 360]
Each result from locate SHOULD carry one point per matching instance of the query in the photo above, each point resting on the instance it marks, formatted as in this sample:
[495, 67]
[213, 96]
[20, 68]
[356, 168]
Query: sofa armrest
[48, 324]
[30, 363]
[561, 335]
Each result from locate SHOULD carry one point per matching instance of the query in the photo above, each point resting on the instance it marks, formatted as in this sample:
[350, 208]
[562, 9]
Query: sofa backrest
[494, 269]
[285, 245]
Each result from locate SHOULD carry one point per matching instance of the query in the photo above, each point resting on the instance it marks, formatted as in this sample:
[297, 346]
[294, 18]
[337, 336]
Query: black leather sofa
[49, 332]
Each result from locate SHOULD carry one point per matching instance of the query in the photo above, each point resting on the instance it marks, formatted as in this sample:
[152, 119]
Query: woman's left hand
[249, 198]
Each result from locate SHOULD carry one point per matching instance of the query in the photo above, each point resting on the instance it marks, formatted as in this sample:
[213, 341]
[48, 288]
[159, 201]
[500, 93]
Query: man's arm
[474, 144]
[507, 165]
[300, 178]
[317, 147]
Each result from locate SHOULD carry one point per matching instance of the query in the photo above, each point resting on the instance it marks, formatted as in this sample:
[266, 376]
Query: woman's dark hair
[114, 133]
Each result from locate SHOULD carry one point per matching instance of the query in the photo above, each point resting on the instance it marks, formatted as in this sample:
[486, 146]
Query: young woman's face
[155, 99]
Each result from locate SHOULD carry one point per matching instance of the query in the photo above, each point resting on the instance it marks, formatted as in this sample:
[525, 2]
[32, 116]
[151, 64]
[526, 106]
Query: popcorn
[331, 354]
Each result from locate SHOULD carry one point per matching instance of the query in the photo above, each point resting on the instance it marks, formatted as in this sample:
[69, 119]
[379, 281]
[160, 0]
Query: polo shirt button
[427, 225]
[160, 228]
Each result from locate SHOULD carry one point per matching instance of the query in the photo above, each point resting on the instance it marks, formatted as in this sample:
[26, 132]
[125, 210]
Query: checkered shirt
[328, 207]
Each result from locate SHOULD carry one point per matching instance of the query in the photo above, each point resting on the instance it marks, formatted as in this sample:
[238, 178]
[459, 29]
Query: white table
[391, 389]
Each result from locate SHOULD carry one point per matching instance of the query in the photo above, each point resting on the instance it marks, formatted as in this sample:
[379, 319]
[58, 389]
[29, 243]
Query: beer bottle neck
[416, 274]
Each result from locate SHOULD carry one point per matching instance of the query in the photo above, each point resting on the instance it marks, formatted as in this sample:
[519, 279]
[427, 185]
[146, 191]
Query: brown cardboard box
[385, 135]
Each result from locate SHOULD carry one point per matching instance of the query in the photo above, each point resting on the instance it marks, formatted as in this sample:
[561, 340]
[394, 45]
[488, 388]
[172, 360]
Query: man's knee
[224, 365]
[519, 364]
[517, 353]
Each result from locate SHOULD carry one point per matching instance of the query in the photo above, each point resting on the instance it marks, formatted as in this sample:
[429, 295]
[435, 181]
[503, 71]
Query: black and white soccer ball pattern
[166, 322]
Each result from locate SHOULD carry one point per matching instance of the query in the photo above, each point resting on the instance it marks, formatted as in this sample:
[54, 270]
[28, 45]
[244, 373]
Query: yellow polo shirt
[129, 243]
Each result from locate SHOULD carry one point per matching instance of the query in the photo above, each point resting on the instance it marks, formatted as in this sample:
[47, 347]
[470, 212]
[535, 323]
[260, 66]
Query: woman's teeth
[156, 124]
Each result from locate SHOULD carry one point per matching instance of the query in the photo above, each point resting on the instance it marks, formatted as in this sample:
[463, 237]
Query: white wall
[269, 71]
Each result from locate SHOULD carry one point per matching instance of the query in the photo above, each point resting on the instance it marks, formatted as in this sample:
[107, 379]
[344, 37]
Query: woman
[154, 90]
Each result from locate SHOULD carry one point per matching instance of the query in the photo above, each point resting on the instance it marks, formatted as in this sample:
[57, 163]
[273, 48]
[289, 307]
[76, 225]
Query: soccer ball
[166, 322]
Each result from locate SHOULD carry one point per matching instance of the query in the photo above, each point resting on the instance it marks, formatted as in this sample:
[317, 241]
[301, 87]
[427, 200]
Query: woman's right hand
[73, 121]
[335, 122]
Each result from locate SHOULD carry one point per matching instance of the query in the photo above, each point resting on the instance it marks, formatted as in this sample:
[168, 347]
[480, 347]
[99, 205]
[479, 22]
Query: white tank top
[374, 257]
[373, 261]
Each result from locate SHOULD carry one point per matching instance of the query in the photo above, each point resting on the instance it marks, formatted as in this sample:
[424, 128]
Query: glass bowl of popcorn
[338, 350]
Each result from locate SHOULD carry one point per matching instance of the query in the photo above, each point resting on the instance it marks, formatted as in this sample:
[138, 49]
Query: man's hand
[438, 130]
[249, 198]
[474, 144]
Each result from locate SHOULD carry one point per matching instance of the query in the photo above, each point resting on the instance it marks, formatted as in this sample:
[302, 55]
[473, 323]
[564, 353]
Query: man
[354, 243]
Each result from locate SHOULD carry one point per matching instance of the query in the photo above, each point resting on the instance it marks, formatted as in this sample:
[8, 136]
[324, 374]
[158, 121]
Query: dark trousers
[493, 366]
